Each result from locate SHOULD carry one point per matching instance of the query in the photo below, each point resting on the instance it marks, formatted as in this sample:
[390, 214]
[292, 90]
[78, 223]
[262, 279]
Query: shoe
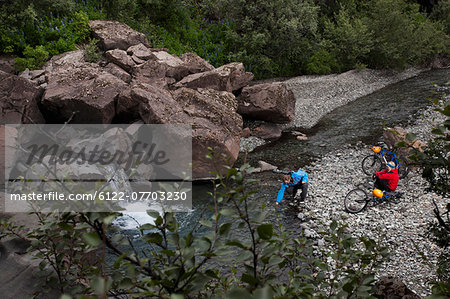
[399, 194]
[301, 200]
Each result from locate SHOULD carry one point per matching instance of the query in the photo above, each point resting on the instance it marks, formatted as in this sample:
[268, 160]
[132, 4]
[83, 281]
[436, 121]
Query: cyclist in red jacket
[387, 179]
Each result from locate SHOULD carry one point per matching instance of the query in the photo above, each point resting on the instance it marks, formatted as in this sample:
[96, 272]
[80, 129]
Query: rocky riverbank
[400, 226]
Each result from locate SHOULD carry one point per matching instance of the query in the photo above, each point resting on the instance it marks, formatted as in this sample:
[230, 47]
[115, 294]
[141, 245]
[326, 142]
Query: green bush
[91, 51]
[348, 39]
[269, 34]
[80, 27]
[322, 63]
[440, 14]
[34, 58]
[271, 38]
[402, 36]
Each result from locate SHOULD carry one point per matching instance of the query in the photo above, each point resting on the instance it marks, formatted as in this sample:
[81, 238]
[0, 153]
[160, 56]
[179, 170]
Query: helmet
[376, 149]
[391, 164]
[377, 193]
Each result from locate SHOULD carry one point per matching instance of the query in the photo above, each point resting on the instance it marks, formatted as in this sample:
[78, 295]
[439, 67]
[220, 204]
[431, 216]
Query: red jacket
[390, 176]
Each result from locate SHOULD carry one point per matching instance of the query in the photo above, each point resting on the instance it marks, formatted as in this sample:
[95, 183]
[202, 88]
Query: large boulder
[268, 102]
[140, 51]
[115, 35]
[229, 77]
[19, 100]
[211, 113]
[158, 106]
[66, 61]
[267, 131]
[175, 67]
[393, 136]
[118, 72]
[7, 64]
[215, 125]
[121, 58]
[85, 94]
[151, 72]
[195, 64]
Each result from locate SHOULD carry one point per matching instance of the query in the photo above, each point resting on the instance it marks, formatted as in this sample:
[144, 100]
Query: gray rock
[121, 58]
[19, 100]
[229, 77]
[268, 102]
[116, 35]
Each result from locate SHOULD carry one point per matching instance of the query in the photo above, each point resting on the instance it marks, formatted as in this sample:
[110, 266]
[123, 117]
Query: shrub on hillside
[34, 58]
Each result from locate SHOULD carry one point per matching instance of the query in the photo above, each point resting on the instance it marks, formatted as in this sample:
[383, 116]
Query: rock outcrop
[211, 113]
[134, 82]
[215, 124]
[267, 131]
[7, 64]
[116, 35]
[196, 64]
[19, 100]
[269, 102]
[175, 67]
[85, 94]
[230, 77]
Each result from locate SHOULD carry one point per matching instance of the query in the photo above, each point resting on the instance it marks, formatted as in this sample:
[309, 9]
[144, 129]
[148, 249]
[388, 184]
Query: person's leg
[382, 185]
[377, 183]
[291, 191]
[304, 187]
[294, 190]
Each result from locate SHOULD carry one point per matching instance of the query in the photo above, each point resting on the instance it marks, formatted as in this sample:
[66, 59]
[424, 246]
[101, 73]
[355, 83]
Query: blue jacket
[297, 178]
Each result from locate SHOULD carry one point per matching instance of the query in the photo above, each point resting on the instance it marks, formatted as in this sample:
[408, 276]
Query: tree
[271, 37]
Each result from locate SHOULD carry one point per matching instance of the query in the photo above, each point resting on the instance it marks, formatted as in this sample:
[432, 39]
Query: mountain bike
[357, 199]
[376, 161]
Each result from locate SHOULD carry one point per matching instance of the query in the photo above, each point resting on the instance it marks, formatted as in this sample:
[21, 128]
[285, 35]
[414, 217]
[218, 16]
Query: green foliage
[269, 35]
[348, 38]
[271, 38]
[206, 38]
[440, 14]
[57, 26]
[91, 51]
[66, 261]
[34, 58]
[322, 63]
[402, 35]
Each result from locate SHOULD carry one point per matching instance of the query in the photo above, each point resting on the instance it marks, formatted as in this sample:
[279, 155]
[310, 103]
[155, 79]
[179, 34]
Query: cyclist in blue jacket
[296, 180]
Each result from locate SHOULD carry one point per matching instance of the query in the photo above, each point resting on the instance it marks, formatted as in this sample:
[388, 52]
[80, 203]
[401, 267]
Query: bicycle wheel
[403, 169]
[371, 164]
[356, 200]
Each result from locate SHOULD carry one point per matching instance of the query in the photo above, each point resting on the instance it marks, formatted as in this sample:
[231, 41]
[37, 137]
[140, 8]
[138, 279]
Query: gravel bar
[400, 226]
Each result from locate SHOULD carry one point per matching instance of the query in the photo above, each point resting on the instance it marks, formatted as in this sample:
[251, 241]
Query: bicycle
[373, 163]
[357, 199]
